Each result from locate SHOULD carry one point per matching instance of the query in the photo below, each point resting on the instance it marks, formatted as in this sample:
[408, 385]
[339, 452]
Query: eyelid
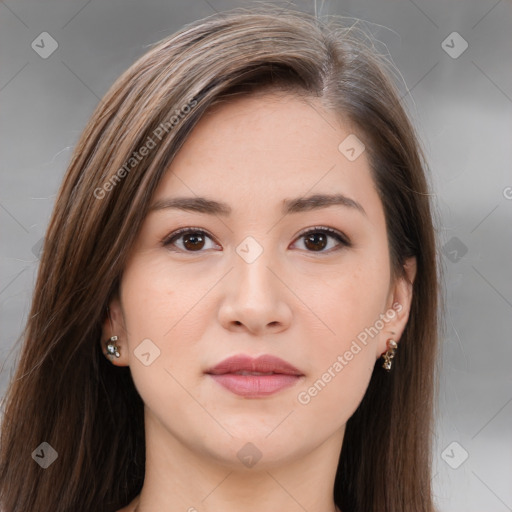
[175, 234]
[333, 232]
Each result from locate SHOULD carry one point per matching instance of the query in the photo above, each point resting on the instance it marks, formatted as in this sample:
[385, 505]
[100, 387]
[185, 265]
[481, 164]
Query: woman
[236, 306]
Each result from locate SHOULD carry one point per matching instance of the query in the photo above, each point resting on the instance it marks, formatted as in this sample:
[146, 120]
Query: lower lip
[255, 386]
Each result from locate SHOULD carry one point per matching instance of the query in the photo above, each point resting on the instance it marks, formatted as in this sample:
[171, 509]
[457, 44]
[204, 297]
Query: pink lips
[253, 378]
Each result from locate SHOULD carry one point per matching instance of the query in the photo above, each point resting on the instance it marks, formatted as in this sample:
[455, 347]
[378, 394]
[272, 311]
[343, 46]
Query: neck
[137, 509]
[183, 477]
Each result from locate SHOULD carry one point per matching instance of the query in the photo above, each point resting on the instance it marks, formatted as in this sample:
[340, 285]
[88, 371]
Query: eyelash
[340, 237]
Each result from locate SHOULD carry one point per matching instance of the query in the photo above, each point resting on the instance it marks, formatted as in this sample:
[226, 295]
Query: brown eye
[317, 239]
[192, 240]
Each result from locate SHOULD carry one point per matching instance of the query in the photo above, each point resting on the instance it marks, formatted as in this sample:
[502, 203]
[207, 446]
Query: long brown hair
[64, 391]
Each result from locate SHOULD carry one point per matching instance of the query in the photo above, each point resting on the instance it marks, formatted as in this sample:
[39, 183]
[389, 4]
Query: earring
[112, 349]
[389, 355]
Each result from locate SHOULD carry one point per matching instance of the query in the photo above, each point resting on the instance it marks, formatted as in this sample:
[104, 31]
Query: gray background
[461, 106]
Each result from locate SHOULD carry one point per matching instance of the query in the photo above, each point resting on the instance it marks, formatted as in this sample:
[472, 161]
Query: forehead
[265, 147]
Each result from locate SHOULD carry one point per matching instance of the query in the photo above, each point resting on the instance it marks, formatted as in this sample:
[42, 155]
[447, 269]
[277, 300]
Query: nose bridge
[254, 279]
[254, 298]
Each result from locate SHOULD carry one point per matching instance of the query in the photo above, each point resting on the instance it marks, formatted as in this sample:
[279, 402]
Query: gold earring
[389, 355]
[112, 349]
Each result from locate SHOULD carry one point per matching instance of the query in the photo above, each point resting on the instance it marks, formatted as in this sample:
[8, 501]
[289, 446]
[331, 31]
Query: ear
[398, 307]
[114, 325]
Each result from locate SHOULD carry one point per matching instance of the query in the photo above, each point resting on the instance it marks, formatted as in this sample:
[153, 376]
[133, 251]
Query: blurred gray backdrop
[59, 57]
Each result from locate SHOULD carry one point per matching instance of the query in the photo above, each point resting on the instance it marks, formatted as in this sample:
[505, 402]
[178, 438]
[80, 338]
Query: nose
[255, 299]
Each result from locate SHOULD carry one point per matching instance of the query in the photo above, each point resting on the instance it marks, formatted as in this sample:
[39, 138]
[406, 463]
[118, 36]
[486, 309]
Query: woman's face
[246, 279]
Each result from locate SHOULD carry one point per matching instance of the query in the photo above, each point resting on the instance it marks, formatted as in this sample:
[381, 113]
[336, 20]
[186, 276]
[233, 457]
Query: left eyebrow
[317, 201]
[297, 205]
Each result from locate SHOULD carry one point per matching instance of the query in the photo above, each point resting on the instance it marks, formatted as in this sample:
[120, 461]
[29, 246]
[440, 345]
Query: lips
[253, 378]
[266, 364]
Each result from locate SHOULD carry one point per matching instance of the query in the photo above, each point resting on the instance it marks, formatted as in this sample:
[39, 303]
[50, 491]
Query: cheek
[157, 300]
[170, 309]
[161, 321]
[332, 396]
[341, 353]
[347, 301]
[341, 350]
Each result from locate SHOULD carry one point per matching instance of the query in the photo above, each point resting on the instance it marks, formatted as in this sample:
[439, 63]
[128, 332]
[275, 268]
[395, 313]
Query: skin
[304, 305]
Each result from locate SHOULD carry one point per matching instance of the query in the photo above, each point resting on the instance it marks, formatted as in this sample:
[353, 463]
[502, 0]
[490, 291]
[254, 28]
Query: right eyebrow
[193, 204]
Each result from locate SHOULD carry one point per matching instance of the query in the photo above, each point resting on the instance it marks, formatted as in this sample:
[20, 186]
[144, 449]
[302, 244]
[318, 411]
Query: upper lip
[262, 364]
